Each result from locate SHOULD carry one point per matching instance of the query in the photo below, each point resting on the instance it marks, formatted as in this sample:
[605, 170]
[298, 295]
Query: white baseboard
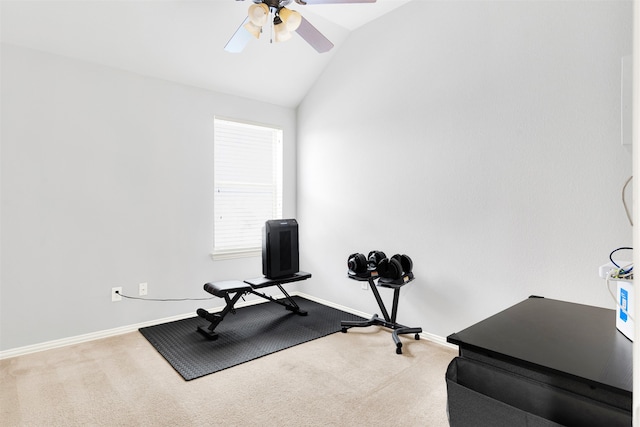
[49, 345]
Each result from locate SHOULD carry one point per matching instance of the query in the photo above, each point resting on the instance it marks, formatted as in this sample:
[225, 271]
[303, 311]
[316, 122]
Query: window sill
[220, 256]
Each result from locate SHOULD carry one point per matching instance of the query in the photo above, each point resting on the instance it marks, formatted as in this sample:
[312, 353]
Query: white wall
[107, 181]
[482, 139]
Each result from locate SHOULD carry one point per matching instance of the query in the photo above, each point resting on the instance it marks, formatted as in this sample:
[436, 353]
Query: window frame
[276, 186]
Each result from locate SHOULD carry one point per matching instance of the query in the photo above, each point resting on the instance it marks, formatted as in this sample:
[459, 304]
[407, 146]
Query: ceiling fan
[285, 22]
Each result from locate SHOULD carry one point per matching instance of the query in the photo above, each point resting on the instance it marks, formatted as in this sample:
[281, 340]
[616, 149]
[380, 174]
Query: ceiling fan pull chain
[271, 26]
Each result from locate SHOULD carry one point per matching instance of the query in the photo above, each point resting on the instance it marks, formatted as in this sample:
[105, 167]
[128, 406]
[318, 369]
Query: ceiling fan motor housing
[274, 4]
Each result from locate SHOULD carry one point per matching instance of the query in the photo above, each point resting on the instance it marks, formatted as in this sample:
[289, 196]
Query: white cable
[615, 272]
[624, 201]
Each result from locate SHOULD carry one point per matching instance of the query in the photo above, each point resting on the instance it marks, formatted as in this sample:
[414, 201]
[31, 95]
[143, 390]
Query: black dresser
[542, 362]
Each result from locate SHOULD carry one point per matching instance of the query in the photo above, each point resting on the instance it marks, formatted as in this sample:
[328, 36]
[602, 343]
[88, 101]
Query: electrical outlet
[116, 294]
[603, 271]
[142, 288]
[364, 286]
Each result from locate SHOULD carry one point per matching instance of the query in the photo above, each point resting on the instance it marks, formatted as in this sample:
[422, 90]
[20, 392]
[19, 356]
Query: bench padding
[220, 289]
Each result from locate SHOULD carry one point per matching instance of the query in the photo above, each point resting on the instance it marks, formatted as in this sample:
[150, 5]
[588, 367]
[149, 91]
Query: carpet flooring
[354, 379]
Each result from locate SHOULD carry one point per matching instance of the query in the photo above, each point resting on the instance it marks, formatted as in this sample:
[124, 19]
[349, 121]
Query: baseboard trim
[50, 345]
[78, 339]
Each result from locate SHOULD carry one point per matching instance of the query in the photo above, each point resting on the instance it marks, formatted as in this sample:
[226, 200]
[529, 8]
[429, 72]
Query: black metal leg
[216, 318]
[376, 294]
[375, 320]
[404, 330]
[289, 304]
[292, 306]
[387, 322]
[394, 308]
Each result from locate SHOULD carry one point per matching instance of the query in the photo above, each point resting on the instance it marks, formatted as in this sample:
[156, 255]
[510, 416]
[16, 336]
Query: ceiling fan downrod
[275, 4]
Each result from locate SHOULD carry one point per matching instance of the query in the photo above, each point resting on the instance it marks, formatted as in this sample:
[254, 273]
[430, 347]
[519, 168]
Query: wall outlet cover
[116, 294]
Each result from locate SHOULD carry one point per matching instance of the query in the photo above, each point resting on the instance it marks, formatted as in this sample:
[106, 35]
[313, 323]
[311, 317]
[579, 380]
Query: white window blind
[247, 185]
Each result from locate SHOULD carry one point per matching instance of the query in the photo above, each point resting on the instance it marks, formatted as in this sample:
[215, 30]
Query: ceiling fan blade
[333, 1]
[239, 39]
[314, 37]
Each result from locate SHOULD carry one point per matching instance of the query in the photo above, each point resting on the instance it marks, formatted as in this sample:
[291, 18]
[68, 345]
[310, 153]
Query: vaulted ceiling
[183, 41]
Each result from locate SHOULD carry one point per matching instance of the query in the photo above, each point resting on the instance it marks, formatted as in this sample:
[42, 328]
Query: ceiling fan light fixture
[291, 18]
[282, 29]
[282, 33]
[254, 29]
[258, 13]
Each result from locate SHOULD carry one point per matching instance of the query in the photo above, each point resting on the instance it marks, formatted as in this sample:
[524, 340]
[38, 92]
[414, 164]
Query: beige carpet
[352, 379]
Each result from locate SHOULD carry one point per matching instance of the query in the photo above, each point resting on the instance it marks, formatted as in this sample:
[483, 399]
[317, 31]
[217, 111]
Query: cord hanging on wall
[624, 201]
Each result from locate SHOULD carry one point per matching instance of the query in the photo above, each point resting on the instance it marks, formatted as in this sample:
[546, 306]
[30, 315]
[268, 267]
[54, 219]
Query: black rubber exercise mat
[253, 332]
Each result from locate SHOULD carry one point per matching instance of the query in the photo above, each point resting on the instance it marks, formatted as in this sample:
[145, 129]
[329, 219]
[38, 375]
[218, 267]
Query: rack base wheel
[417, 336]
[399, 348]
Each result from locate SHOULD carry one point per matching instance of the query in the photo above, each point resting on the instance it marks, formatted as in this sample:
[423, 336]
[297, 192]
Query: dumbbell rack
[387, 322]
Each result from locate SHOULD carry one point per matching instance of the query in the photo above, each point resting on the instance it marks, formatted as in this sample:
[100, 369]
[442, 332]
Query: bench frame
[232, 291]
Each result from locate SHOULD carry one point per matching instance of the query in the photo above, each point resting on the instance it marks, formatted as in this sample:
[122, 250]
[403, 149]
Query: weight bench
[233, 290]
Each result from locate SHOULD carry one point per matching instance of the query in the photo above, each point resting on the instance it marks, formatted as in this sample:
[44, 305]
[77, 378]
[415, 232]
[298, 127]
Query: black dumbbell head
[357, 263]
[390, 268]
[374, 258]
[405, 262]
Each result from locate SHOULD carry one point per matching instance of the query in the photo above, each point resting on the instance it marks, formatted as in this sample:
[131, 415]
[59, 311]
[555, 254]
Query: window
[247, 185]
